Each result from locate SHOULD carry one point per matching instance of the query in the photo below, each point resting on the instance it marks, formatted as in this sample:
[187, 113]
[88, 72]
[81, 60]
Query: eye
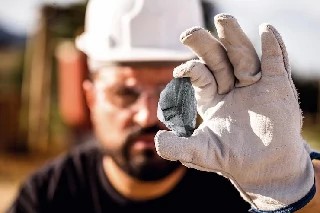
[127, 92]
[125, 96]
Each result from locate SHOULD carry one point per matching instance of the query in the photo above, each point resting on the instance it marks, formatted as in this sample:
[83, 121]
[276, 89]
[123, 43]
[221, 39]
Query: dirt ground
[15, 167]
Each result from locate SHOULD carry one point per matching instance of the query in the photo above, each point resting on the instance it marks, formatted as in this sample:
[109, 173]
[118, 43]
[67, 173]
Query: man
[132, 49]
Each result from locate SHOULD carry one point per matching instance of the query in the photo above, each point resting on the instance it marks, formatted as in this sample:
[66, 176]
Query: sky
[297, 21]
[20, 16]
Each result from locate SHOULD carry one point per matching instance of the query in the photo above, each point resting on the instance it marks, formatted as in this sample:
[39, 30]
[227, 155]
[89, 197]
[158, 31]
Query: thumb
[198, 151]
[171, 147]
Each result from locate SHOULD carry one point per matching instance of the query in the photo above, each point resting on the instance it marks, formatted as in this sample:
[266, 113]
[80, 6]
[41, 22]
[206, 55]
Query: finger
[240, 50]
[212, 53]
[197, 151]
[202, 80]
[274, 59]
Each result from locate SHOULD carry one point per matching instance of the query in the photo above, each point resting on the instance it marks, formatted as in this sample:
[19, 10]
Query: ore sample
[177, 107]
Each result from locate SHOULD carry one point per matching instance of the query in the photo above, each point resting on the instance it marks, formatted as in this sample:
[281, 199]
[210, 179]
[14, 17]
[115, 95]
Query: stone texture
[177, 107]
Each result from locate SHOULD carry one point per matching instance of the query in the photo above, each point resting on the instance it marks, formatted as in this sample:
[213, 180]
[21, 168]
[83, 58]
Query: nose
[146, 111]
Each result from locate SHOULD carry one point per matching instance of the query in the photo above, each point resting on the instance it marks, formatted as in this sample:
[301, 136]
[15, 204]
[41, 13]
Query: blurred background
[42, 109]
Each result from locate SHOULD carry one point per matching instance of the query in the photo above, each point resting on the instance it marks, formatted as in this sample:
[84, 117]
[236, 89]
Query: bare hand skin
[314, 205]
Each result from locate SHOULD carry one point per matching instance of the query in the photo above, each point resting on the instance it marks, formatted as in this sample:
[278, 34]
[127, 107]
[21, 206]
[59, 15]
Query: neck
[136, 189]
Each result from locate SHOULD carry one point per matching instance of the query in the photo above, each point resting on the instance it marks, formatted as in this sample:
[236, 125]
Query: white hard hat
[138, 30]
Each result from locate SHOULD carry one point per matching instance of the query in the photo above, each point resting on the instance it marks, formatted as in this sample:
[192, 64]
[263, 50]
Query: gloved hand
[251, 117]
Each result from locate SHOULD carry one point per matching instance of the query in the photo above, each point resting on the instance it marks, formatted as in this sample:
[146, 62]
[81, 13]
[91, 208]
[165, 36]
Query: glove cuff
[300, 203]
[315, 155]
[292, 207]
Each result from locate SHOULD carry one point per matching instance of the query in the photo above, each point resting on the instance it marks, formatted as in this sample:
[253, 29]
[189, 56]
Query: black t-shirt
[75, 182]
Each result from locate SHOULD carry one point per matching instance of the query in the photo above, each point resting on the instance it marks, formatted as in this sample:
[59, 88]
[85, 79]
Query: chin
[151, 167]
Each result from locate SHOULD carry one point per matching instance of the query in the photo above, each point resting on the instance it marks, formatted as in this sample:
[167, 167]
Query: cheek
[110, 124]
[102, 119]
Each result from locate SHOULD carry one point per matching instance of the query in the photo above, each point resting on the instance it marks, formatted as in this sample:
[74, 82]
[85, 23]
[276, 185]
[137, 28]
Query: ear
[88, 89]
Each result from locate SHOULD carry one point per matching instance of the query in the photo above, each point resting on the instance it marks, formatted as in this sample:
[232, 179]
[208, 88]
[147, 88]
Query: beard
[145, 165]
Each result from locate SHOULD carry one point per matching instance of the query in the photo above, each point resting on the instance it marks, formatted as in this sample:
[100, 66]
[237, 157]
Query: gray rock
[177, 107]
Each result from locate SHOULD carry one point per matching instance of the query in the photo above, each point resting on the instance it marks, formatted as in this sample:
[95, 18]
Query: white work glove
[251, 118]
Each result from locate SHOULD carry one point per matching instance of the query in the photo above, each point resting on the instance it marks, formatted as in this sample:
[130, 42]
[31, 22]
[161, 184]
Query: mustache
[130, 136]
[137, 131]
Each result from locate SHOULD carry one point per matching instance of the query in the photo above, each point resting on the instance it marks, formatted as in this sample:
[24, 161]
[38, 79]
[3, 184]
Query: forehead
[133, 75]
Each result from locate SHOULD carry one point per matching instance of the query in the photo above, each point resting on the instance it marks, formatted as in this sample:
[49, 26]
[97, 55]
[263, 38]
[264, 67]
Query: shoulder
[59, 179]
[194, 174]
[213, 186]
[211, 181]
[69, 169]
[74, 159]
